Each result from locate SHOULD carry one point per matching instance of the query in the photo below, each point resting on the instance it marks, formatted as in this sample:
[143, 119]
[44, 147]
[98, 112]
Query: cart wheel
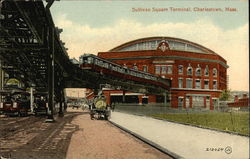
[91, 116]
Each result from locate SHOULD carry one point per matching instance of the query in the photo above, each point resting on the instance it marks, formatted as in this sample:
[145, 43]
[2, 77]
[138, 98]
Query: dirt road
[74, 136]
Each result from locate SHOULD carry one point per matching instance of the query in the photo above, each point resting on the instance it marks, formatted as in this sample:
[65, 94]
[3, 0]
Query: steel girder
[20, 40]
[24, 45]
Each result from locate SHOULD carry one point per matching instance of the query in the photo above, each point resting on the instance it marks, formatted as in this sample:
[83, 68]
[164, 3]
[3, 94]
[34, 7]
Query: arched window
[180, 69]
[145, 68]
[135, 67]
[198, 71]
[189, 70]
[206, 71]
[214, 72]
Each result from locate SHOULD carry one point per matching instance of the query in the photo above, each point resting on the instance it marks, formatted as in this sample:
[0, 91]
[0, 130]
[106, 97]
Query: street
[73, 136]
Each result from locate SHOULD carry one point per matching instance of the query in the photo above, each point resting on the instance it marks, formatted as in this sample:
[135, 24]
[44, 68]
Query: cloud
[230, 44]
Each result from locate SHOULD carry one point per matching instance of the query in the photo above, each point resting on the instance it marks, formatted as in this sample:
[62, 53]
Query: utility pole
[31, 100]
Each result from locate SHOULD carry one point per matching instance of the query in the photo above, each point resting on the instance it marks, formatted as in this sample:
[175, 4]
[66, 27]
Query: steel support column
[51, 64]
[61, 114]
[165, 98]
[64, 101]
[123, 96]
[1, 78]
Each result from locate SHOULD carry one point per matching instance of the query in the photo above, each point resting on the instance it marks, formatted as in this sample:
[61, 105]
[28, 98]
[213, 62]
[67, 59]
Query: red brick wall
[151, 99]
[221, 70]
[244, 102]
[221, 78]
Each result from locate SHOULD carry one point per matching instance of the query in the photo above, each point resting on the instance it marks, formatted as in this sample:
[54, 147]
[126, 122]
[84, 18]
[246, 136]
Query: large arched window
[189, 70]
[198, 71]
[214, 72]
[206, 71]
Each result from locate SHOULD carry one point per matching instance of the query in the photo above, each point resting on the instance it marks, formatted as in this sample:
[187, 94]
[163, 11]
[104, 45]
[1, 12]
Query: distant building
[240, 94]
[242, 103]
[198, 74]
[74, 61]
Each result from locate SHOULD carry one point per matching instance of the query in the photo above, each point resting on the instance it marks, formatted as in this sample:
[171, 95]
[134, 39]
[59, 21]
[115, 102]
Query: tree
[225, 95]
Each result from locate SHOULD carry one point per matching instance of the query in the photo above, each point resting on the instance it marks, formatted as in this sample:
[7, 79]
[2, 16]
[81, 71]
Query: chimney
[244, 96]
[236, 98]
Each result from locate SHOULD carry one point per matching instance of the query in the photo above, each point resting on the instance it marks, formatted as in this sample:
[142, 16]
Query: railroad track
[16, 125]
[11, 120]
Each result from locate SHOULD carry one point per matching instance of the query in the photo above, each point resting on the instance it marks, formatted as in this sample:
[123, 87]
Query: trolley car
[14, 102]
[92, 62]
[99, 108]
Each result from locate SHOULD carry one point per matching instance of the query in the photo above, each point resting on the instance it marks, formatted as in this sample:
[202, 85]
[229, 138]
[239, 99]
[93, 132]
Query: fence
[224, 119]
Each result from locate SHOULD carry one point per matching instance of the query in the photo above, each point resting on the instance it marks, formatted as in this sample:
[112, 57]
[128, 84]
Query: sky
[96, 26]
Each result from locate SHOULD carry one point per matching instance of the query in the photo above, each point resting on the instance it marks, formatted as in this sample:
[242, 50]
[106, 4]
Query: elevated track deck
[31, 51]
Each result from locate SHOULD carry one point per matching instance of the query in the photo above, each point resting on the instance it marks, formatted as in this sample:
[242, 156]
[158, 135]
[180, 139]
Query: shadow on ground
[36, 139]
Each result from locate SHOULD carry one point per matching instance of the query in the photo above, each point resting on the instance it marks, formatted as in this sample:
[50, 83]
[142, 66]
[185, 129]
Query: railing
[156, 108]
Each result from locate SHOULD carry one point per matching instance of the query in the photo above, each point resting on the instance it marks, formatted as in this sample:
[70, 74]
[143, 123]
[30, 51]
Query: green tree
[225, 95]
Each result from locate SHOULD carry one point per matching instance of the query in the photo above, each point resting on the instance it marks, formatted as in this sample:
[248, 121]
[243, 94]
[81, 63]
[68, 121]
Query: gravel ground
[74, 136]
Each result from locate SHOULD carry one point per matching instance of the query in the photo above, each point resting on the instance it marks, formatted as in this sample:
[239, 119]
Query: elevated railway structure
[32, 52]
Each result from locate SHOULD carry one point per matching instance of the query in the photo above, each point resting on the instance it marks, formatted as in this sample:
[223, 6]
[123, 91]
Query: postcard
[124, 79]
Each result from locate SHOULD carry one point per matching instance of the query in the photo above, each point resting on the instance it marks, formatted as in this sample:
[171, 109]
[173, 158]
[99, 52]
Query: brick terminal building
[197, 73]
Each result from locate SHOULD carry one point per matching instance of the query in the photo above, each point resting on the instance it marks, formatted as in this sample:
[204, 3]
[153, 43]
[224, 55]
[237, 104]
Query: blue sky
[96, 26]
